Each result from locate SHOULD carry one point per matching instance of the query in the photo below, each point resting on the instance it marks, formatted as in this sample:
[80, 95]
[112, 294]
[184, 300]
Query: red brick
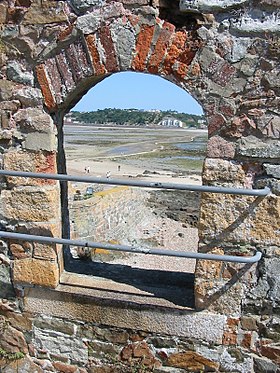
[246, 340]
[271, 352]
[181, 70]
[56, 81]
[143, 46]
[177, 45]
[65, 32]
[99, 69]
[111, 64]
[45, 87]
[65, 71]
[77, 57]
[229, 338]
[161, 47]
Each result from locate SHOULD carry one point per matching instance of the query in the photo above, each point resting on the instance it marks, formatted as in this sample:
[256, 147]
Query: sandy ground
[100, 169]
[168, 233]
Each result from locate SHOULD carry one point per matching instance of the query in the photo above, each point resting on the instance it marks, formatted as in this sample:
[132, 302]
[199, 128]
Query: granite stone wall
[226, 55]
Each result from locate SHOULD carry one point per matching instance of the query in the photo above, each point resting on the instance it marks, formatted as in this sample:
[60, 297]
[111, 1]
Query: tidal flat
[174, 150]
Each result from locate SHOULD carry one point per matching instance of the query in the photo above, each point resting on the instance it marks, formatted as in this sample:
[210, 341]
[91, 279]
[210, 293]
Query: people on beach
[119, 168]
[108, 174]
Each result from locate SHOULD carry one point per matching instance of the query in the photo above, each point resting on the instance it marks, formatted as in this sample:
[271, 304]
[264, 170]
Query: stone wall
[226, 54]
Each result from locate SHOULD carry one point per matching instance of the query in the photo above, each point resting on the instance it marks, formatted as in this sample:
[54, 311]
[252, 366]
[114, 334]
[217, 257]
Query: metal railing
[135, 249]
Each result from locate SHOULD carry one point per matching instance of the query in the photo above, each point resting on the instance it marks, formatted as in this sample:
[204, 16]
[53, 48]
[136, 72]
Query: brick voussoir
[46, 88]
[98, 67]
[65, 71]
[78, 61]
[111, 63]
[143, 46]
[161, 47]
[56, 81]
[176, 47]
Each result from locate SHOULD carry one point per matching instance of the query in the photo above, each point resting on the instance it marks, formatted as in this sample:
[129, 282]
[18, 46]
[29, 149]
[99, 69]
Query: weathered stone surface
[6, 286]
[61, 345]
[89, 23]
[49, 323]
[217, 147]
[231, 65]
[255, 148]
[268, 287]
[263, 365]
[40, 141]
[44, 162]
[16, 73]
[30, 204]
[29, 97]
[23, 365]
[192, 362]
[50, 12]
[82, 6]
[21, 251]
[36, 272]
[224, 172]
[240, 219]
[33, 119]
[12, 340]
[142, 352]
[7, 88]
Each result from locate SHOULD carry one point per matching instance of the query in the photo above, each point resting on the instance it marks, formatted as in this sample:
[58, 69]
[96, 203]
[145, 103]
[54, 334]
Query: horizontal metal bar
[144, 184]
[132, 249]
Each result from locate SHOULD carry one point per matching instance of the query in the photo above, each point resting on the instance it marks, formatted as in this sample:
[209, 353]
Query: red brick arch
[152, 48]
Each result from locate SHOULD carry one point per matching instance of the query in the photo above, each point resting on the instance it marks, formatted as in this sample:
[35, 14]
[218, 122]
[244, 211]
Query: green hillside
[134, 117]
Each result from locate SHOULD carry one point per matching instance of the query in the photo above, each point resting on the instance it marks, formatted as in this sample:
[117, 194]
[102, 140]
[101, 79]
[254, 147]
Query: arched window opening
[137, 127]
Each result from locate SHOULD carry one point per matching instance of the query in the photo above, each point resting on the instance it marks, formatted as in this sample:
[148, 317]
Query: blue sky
[139, 91]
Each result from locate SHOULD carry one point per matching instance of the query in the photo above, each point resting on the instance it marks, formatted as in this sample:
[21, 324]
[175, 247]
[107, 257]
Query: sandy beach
[129, 153]
[146, 155]
[100, 169]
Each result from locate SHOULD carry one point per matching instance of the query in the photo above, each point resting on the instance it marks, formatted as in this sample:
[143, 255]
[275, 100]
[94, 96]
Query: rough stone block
[192, 361]
[45, 12]
[85, 5]
[253, 147]
[272, 170]
[61, 345]
[36, 272]
[31, 204]
[40, 162]
[6, 287]
[16, 73]
[40, 141]
[3, 13]
[232, 218]
[12, 340]
[34, 120]
[223, 172]
[217, 147]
